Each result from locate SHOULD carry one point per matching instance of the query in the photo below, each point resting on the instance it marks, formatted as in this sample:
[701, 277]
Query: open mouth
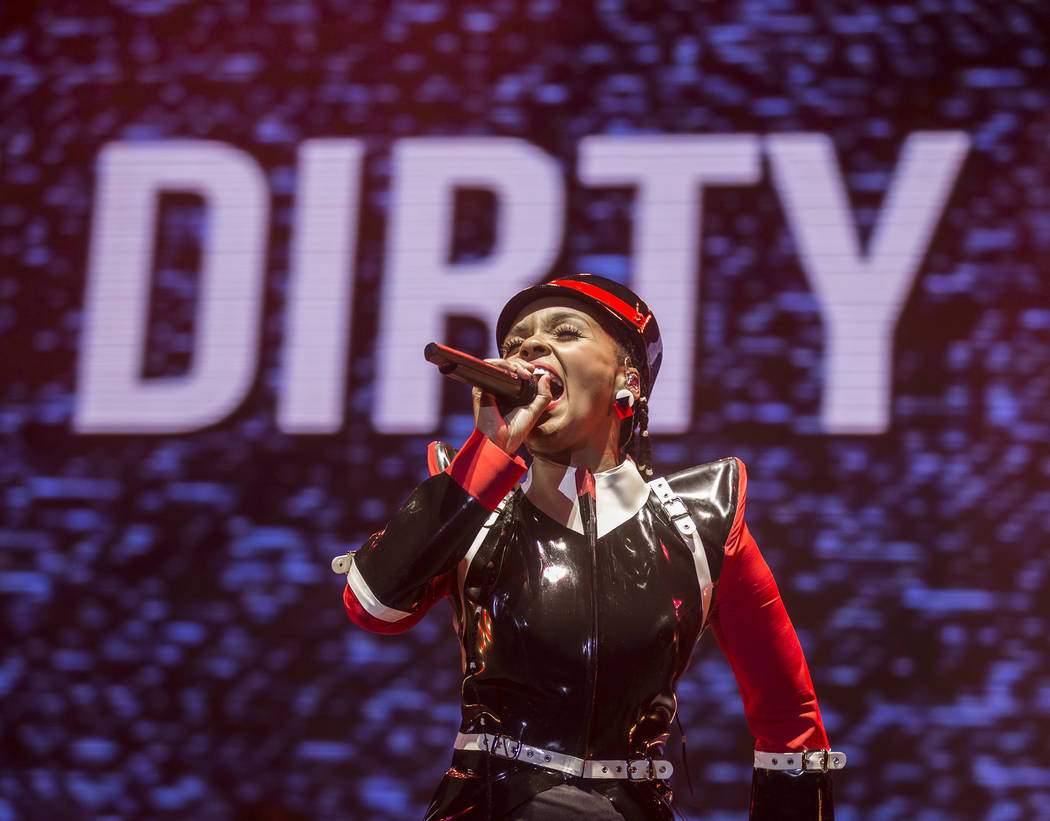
[557, 387]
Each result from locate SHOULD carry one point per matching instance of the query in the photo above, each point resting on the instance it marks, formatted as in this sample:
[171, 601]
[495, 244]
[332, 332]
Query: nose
[532, 348]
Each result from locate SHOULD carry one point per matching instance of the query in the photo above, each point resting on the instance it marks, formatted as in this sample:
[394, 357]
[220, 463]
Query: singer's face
[583, 359]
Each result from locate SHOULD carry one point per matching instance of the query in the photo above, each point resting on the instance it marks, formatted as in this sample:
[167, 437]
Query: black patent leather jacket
[577, 614]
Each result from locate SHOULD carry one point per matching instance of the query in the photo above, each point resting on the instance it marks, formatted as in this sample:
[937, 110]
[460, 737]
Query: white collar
[619, 493]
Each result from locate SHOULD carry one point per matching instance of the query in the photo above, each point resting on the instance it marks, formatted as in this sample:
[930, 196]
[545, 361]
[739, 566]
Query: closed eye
[568, 332]
[562, 332]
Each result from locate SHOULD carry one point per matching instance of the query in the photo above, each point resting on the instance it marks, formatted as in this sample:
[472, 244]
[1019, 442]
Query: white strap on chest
[674, 506]
[678, 513]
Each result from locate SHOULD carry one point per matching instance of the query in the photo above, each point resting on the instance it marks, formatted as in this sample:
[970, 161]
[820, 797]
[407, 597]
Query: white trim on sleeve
[367, 599]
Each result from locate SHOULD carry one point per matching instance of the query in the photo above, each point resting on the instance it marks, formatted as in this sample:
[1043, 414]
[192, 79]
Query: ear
[632, 380]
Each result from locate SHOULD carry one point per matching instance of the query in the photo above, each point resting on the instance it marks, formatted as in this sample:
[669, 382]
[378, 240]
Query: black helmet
[632, 322]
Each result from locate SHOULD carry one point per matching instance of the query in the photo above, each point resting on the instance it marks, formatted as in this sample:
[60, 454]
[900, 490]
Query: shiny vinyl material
[575, 643]
[557, 629]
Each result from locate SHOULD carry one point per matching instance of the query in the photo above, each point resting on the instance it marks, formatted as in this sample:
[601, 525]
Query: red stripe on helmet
[614, 303]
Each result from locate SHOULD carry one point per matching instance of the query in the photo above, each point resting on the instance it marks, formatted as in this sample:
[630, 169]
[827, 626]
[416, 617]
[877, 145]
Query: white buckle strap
[807, 760]
[644, 769]
[674, 506]
[678, 513]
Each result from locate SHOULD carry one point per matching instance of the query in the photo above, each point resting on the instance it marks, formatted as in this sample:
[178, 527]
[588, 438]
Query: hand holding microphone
[512, 389]
[508, 397]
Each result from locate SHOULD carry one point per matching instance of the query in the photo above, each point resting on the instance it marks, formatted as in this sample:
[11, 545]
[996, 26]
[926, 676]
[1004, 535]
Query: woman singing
[580, 585]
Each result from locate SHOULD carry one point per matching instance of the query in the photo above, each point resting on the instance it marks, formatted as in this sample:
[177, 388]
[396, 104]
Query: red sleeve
[754, 631]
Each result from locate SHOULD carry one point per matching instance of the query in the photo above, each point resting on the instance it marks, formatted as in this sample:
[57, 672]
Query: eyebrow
[554, 319]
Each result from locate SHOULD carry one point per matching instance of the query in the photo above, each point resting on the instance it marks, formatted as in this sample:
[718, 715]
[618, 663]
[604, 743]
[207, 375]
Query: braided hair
[642, 452]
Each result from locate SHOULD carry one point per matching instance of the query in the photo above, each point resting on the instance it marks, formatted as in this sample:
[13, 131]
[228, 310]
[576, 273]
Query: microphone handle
[509, 388]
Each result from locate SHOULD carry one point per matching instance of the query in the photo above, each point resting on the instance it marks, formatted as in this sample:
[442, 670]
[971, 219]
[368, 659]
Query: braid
[643, 447]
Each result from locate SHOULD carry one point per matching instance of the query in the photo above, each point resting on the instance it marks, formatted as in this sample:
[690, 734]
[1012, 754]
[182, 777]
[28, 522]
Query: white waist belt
[643, 769]
[809, 760]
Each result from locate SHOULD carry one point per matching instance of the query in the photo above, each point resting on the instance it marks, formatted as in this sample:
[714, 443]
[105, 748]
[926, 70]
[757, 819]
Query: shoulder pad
[439, 457]
[711, 493]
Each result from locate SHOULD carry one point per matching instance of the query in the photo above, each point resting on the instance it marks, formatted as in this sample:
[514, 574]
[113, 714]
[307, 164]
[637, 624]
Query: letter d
[113, 396]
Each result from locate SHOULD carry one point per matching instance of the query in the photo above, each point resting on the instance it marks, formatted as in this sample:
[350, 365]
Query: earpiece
[625, 404]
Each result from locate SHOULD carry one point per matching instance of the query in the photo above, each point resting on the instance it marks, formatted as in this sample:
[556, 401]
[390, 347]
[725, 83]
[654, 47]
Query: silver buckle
[675, 508]
[650, 769]
[817, 761]
[808, 760]
[500, 741]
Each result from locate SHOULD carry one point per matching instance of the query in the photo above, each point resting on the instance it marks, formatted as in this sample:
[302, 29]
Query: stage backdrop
[227, 229]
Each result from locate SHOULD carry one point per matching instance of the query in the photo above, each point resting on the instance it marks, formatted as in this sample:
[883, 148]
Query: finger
[543, 395]
[503, 364]
[524, 370]
[516, 366]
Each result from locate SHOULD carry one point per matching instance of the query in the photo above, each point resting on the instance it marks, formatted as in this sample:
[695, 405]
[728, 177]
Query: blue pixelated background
[174, 644]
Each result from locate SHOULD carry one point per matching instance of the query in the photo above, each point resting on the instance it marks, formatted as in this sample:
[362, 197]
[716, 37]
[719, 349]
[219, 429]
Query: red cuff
[439, 588]
[485, 471]
[362, 618]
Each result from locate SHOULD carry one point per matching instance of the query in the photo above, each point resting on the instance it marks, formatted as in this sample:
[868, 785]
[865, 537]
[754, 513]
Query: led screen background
[174, 642]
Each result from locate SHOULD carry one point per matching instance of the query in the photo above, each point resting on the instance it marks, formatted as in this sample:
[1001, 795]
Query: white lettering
[422, 287]
[861, 291]
[670, 172]
[862, 295]
[320, 298]
[113, 397]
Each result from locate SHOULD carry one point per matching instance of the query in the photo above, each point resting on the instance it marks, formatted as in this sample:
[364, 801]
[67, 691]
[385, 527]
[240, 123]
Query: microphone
[509, 388]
